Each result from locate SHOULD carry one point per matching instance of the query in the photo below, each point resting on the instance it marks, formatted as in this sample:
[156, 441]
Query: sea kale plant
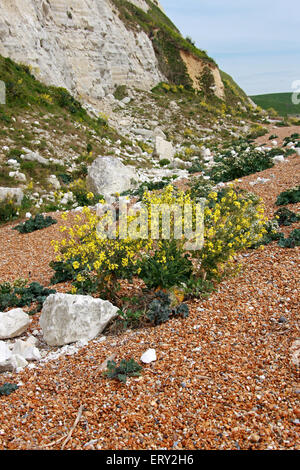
[291, 241]
[35, 223]
[7, 389]
[241, 160]
[291, 196]
[122, 371]
[160, 310]
[285, 217]
[21, 294]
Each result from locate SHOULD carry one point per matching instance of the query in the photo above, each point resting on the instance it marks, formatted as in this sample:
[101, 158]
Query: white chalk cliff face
[81, 45]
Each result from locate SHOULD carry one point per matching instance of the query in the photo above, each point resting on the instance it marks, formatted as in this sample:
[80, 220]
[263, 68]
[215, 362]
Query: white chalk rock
[27, 350]
[205, 152]
[149, 356]
[69, 318]
[108, 175]
[18, 362]
[278, 159]
[163, 149]
[13, 323]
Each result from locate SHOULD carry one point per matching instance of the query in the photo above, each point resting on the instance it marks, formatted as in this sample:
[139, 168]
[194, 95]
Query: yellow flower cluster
[104, 256]
[173, 88]
[166, 214]
[47, 98]
[233, 224]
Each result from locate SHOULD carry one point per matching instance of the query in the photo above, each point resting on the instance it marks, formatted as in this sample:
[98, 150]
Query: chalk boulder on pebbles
[5, 357]
[108, 175]
[69, 318]
[27, 349]
[13, 323]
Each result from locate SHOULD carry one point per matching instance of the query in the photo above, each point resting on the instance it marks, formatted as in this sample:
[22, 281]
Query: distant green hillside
[281, 102]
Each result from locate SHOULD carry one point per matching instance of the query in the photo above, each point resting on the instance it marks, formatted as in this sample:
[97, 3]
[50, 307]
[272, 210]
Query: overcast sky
[256, 41]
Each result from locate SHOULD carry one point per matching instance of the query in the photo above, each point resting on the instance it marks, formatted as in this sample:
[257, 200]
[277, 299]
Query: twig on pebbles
[79, 414]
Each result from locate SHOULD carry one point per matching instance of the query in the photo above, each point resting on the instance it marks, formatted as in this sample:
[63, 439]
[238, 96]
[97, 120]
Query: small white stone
[278, 159]
[149, 356]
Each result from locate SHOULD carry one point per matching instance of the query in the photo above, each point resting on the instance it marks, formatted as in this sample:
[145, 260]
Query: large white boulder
[13, 323]
[297, 150]
[67, 318]
[163, 149]
[108, 175]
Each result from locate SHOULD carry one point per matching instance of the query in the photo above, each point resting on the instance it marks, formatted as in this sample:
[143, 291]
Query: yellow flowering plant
[163, 242]
[233, 222]
[168, 264]
[99, 261]
[83, 196]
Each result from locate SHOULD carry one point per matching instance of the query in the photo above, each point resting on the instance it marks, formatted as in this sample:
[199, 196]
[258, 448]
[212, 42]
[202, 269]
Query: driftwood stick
[55, 442]
[79, 414]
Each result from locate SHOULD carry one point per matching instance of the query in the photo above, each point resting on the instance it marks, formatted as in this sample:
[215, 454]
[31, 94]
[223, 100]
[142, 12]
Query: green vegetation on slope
[50, 122]
[281, 102]
[233, 93]
[24, 92]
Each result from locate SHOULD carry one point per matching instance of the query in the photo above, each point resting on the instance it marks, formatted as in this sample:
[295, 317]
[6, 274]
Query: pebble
[282, 320]
[254, 438]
